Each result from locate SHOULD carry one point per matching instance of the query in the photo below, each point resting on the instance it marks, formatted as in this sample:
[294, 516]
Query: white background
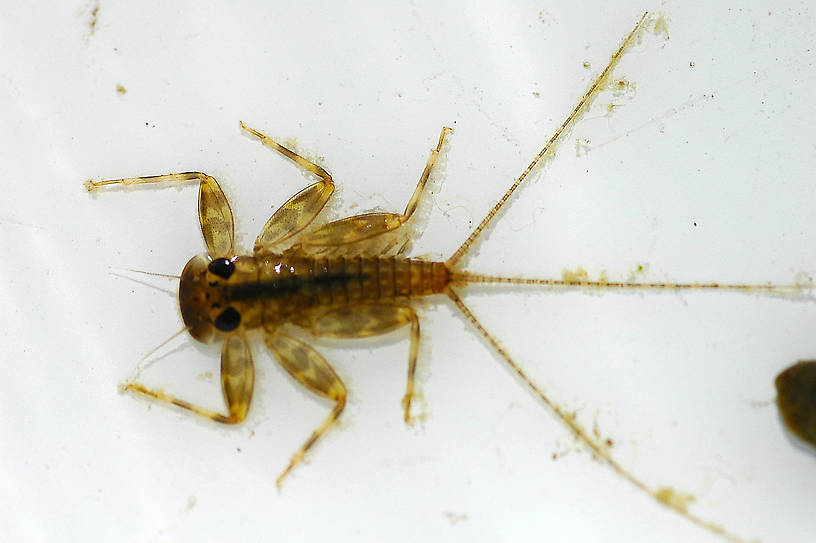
[702, 171]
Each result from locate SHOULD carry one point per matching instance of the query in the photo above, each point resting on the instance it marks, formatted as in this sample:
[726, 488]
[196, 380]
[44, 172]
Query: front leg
[237, 381]
[214, 213]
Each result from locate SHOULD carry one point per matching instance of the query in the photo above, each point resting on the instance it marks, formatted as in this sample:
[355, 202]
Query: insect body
[348, 278]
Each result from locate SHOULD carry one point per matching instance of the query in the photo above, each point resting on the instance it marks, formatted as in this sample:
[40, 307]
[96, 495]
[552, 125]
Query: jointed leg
[167, 178]
[307, 165]
[412, 362]
[299, 212]
[372, 320]
[237, 380]
[214, 213]
[426, 174]
[310, 369]
[369, 225]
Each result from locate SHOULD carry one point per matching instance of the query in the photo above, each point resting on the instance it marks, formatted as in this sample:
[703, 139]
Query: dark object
[796, 399]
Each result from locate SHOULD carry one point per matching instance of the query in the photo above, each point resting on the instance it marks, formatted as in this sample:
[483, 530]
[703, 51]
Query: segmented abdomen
[289, 284]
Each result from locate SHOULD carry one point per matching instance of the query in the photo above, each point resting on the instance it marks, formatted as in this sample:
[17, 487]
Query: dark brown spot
[228, 320]
[796, 399]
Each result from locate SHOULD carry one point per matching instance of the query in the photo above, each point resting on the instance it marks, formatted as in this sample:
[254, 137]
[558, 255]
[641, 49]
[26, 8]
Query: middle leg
[301, 209]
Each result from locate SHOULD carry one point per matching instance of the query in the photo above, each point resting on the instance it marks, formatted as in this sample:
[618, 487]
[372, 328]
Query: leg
[426, 174]
[310, 369]
[302, 208]
[369, 225]
[237, 380]
[373, 320]
[214, 213]
[307, 165]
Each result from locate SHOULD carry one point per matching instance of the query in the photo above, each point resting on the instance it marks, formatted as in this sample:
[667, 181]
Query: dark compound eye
[222, 267]
[228, 320]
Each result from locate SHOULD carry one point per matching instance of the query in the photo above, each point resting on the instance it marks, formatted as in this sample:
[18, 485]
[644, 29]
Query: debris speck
[676, 500]
[93, 18]
[661, 26]
[803, 280]
[454, 518]
[582, 146]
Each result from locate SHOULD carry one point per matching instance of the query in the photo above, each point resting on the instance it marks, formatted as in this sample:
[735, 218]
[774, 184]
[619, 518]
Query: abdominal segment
[285, 286]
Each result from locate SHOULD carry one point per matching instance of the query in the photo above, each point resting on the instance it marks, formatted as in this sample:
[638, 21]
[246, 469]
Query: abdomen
[291, 286]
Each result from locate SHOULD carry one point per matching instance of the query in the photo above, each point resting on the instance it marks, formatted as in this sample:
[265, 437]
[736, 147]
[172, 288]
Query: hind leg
[214, 213]
[310, 369]
[373, 320]
[369, 225]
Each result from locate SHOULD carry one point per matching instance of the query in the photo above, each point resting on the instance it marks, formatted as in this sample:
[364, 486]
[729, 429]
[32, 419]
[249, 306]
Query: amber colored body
[345, 279]
[268, 290]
